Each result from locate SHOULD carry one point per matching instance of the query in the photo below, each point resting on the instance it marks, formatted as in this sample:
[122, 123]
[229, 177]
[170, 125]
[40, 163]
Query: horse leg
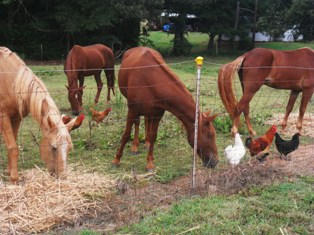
[152, 123]
[247, 120]
[9, 131]
[293, 97]
[99, 86]
[80, 90]
[131, 118]
[146, 134]
[243, 106]
[110, 81]
[136, 141]
[306, 96]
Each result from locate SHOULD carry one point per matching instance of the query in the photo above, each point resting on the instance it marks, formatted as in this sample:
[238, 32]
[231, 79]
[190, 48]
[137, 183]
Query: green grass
[199, 41]
[163, 41]
[288, 206]
[96, 148]
[262, 213]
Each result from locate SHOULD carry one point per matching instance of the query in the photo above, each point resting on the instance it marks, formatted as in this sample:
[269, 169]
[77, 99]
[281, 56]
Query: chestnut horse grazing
[22, 93]
[88, 61]
[151, 88]
[291, 70]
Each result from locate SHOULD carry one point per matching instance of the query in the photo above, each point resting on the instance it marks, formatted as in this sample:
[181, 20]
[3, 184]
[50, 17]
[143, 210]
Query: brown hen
[99, 116]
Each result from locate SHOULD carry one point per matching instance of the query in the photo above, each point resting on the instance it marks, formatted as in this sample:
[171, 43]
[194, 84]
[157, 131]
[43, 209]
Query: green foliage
[223, 124]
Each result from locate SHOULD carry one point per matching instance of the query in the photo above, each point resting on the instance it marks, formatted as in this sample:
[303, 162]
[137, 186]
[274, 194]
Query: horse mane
[225, 85]
[173, 76]
[71, 66]
[34, 98]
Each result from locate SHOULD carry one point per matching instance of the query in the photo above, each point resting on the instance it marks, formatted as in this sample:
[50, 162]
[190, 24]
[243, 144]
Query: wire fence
[95, 146]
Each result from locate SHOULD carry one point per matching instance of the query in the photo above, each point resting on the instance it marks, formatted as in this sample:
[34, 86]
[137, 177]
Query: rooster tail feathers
[248, 141]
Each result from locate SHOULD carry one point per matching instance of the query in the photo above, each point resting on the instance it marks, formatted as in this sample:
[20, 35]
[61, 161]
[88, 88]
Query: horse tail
[110, 73]
[226, 89]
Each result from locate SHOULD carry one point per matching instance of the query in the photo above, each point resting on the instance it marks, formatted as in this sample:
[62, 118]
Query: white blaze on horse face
[64, 152]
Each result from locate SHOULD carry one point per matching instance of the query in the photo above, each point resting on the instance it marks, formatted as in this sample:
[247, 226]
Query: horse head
[206, 146]
[75, 99]
[55, 147]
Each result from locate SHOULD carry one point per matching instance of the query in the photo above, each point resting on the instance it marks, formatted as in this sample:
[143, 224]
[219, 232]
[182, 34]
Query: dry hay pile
[42, 201]
[308, 123]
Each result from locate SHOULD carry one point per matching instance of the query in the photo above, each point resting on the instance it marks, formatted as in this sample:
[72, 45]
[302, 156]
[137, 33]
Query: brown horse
[21, 93]
[88, 61]
[151, 88]
[291, 70]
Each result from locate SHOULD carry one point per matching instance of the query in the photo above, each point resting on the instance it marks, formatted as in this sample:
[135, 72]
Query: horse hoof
[150, 170]
[115, 163]
[134, 153]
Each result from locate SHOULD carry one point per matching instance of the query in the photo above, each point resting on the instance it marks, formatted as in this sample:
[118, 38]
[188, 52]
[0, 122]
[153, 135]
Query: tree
[300, 17]
[47, 29]
[182, 8]
[273, 17]
[218, 18]
[281, 15]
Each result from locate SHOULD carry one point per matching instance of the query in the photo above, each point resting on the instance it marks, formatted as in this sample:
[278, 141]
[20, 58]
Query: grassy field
[259, 211]
[163, 43]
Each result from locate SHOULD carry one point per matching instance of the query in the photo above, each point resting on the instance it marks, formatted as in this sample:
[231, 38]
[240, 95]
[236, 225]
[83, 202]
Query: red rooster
[99, 116]
[73, 123]
[259, 147]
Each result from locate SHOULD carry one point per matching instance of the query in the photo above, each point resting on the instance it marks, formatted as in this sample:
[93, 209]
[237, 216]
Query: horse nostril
[211, 163]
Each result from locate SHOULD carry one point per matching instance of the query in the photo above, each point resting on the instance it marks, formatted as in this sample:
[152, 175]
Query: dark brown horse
[88, 61]
[290, 70]
[151, 88]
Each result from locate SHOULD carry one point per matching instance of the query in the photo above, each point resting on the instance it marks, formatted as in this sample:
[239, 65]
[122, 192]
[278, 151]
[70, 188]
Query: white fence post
[199, 62]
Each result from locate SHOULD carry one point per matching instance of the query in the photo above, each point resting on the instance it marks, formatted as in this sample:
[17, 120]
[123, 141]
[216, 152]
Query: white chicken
[234, 153]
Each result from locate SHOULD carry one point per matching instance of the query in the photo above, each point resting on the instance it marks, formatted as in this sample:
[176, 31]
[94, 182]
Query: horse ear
[51, 124]
[211, 118]
[71, 123]
[206, 114]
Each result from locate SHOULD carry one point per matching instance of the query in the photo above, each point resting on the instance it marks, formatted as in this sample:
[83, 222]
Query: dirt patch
[138, 201]
[308, 123]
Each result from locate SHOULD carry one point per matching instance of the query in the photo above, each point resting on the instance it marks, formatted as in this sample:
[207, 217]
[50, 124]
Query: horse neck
[33, 98]
[183, 107]
[71, 69]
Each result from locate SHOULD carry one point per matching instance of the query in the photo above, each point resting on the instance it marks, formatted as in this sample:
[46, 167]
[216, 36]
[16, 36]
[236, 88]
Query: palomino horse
[23, 93]
[291, 70]
[88, 61]
[151, 88]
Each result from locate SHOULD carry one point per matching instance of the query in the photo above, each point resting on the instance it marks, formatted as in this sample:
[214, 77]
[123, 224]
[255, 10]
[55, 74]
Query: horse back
[10, 65]
[88, 58]
[272, 67]
[145, 77]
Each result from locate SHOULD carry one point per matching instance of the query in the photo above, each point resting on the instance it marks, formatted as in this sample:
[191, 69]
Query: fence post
[199, 62]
